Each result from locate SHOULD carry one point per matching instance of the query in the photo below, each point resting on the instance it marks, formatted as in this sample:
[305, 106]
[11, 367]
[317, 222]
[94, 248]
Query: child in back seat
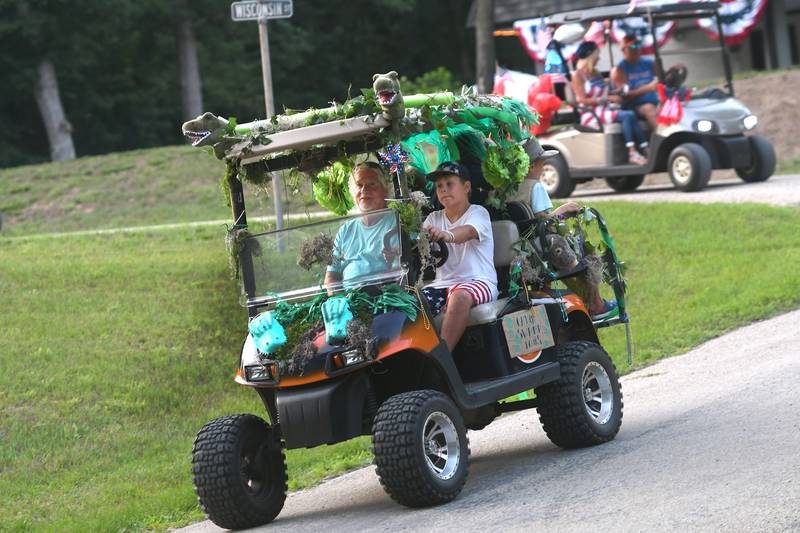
[542, 205]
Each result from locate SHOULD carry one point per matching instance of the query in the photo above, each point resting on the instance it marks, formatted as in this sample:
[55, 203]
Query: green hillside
[141, 187]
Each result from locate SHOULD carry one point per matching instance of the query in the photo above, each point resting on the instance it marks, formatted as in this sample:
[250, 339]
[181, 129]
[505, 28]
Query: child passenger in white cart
[468, 277]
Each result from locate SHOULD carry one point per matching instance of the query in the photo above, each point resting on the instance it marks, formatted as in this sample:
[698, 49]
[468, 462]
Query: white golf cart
[709, 135]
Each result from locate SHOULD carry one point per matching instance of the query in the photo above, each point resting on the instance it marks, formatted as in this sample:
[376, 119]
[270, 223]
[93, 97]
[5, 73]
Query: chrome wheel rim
[549, 178]
[682, 169]
[598, 395]
[440, 445]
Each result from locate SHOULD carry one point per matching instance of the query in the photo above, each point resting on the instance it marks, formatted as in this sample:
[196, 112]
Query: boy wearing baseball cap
[468, 278]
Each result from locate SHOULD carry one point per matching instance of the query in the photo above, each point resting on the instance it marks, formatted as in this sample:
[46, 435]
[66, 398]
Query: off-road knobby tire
[565, 185]
[562, 410]
[763, 161]
[217, 471]
[700, 163]
[397, 443]
[625, 183]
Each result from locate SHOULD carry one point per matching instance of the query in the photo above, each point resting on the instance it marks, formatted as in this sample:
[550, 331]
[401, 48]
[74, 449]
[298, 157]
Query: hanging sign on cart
[262, 9]
[527, 331]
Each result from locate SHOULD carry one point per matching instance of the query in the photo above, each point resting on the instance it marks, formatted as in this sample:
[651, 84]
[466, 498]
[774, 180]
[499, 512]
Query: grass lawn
[139, 187]
[116, 349]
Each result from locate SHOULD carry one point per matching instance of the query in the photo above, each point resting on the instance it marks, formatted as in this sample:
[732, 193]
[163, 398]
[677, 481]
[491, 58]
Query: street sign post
[263, 10]
[266, 9]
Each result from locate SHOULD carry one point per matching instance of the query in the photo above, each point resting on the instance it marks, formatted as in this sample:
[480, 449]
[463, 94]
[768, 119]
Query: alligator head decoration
[210, 130]
[205, 130]
[387, 91]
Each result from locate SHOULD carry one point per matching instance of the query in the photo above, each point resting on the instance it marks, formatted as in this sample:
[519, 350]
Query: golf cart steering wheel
[439, 253]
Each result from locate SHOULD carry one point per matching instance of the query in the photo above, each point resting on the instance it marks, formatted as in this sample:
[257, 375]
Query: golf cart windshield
[293, 263]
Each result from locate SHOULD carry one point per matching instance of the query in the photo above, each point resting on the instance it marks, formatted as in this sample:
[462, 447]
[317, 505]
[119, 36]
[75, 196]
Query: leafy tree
[438, 79]
[118, 70]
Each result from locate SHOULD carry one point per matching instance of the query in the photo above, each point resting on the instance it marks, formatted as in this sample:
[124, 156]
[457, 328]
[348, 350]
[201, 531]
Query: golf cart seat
[505, 234]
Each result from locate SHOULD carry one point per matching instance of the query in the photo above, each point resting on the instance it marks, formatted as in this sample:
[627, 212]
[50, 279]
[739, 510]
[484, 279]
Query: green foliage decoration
[302, 321]
[409, 216]
[504, 166]
[331, 189]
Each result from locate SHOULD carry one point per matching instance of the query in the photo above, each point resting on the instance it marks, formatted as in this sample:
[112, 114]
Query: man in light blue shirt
[359, 249]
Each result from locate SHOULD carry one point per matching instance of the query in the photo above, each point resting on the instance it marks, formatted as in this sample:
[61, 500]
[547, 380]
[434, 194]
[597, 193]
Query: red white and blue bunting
[738, 17]
[535, 35]
[639, 27]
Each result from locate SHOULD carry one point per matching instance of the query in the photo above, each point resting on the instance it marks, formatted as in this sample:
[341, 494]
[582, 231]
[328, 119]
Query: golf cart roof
[359, 131]
[659, 10]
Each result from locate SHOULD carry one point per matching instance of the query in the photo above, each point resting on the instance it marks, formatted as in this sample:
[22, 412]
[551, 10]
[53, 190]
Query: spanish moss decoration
[316, 250]
[426, 261]
[235, 242]
[359, 333]
[420, 201]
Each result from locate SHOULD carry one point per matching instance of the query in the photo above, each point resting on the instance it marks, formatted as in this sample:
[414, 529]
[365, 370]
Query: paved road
[710, 441]
[778, 190]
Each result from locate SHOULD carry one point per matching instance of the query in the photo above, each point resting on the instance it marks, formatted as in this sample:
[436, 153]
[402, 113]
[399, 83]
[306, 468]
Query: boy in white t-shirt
[468, 277]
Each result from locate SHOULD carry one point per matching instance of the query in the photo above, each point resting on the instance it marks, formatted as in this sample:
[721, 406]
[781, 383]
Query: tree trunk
[59, 130]
[484, 45]
[459, 11]
[188, 66]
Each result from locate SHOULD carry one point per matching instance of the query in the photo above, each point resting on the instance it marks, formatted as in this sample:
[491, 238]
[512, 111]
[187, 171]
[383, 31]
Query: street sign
[264, 9]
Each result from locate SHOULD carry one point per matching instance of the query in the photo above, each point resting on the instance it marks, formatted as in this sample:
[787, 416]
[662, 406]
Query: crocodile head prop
[205, 130]
[387, 91]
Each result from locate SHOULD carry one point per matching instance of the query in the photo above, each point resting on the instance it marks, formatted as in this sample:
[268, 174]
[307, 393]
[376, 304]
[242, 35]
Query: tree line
[83, 77]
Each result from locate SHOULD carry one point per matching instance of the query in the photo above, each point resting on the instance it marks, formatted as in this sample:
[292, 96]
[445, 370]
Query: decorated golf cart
[698, 131]
[362, 355]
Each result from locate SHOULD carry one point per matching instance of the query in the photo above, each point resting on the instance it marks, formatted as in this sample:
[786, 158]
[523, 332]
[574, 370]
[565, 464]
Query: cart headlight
[704, 126]
[349, 357]
[258, 373]
[353, 357]
[750, 122]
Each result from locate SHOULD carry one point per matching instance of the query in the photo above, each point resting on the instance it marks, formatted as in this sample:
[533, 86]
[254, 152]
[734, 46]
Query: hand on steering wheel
[439, 253]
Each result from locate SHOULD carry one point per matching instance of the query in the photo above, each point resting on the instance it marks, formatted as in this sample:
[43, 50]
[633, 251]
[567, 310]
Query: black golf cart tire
[764, 161]
[397, 444]
[562, 408]
[564, 184]
[216, 472]
[700, 167]
[625, 183]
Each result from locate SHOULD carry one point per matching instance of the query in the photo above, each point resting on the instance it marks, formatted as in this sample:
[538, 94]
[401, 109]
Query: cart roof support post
[240, 222]
[726, 60]
[659, 66]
